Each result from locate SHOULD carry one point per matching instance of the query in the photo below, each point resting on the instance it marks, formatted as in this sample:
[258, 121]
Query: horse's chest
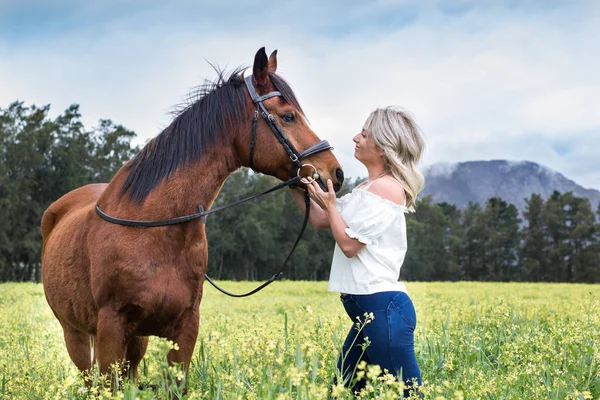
[163, 306]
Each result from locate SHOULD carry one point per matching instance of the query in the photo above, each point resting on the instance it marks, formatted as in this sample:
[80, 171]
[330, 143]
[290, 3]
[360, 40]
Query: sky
[485, 80]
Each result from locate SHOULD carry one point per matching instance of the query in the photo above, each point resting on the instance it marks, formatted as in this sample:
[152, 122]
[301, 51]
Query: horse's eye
[288, 117]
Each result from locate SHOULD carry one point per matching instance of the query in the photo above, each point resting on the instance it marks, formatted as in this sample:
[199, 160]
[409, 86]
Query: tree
[471, 254]
[431, 240]
[555, 221]
[534, 249]
[581, 239]
[453, 241]
[42, 159]
[500, 221]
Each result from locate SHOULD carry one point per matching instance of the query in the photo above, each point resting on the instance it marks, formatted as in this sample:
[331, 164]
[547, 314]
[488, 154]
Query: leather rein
[293, 154]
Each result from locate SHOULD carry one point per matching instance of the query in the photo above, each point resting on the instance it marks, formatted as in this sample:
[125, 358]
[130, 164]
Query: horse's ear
[273, 62]
[260, 69]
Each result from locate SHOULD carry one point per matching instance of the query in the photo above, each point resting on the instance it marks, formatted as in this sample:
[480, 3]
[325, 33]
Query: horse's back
[70, 202]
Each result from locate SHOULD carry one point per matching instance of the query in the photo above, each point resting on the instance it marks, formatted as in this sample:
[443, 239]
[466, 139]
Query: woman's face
[365, 149]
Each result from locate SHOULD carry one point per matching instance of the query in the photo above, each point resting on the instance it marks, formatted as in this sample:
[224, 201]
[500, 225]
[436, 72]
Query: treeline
[555, 240]
[40, 160]
[558, 240]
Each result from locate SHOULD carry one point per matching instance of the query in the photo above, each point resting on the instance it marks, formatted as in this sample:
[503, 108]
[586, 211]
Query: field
[473, 341]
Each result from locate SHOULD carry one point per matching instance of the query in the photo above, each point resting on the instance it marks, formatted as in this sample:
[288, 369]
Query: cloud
[484, 80]
[442, 169]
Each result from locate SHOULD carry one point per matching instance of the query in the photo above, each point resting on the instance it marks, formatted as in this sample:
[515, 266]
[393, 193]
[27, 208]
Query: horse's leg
[185, 339]
[135, 352]
[79, 348]
[110, 342]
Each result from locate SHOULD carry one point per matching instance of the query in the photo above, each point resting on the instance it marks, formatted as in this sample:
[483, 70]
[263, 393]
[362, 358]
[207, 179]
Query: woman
[369, 228]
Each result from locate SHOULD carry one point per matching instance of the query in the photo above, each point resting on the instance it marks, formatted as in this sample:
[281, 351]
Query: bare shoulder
[388, 188]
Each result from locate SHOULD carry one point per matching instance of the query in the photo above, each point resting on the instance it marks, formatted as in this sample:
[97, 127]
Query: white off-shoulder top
[381, 225]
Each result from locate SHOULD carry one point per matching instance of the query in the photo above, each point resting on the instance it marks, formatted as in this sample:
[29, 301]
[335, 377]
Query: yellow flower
[338, 390]
[360, 375]
[373, 371]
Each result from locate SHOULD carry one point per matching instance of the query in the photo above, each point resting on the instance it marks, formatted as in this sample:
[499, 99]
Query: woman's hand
[325, 200]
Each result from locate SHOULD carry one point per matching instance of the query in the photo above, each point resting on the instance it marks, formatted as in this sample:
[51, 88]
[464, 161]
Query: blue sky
[504, 79]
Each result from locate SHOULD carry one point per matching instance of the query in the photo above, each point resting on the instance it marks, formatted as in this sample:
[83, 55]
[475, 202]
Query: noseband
[295, 177]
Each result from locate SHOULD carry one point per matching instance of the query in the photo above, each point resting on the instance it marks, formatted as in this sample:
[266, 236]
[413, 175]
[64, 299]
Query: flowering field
[473, 341]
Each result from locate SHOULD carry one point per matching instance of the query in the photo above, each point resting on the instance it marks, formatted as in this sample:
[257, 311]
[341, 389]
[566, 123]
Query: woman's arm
[318, 218]
[349, 246]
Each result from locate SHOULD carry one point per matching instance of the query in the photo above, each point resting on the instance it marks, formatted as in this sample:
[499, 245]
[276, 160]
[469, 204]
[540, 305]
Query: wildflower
[296, 376]
[373, 371]
[360, 375]
[389, 379]
[338, 390]
[179, 375]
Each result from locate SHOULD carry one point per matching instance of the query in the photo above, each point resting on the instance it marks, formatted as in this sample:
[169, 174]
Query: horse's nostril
[339, 175]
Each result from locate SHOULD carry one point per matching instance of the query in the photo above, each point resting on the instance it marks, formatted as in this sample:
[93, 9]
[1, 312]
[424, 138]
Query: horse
[111, 286]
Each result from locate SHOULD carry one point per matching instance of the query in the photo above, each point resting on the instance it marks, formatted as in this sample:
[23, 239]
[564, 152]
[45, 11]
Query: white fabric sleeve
[370, 220]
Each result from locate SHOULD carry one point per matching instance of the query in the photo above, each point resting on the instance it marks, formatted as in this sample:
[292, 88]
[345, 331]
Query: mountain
[512, 181]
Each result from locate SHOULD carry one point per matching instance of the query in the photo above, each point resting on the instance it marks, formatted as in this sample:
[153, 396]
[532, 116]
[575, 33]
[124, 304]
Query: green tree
[555, 221]
[471, 254]
[592, 274]
[42, 159]
[581, 231]
[430, 254]
[533, 252]
[453, 241]
[500, 221]
[111, 149]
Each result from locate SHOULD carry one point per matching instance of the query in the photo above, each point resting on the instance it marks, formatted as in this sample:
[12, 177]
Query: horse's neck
[181, 194]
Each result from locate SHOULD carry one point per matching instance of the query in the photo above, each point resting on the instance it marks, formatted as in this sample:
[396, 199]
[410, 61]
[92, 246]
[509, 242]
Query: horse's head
[280, 142]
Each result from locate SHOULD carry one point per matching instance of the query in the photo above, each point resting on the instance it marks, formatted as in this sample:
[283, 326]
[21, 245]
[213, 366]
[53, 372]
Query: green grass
[473, 341]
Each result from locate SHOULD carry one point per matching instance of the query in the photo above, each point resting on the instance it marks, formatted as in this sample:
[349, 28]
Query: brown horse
[112, 286]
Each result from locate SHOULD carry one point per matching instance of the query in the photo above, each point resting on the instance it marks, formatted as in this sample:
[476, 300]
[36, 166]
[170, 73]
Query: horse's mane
[197, 126]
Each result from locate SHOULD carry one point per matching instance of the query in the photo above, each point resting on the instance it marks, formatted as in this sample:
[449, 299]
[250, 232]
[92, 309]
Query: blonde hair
[395, 131]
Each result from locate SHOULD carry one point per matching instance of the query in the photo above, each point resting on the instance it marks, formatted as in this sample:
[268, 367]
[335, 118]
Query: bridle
[294, 155]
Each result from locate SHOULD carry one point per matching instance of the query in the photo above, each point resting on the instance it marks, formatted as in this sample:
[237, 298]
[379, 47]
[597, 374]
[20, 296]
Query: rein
[278, 273]
[202, 214]
[294, 155]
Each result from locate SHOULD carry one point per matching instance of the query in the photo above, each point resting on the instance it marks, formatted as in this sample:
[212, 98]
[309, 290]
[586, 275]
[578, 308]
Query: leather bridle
[294, 154]
[295, 178]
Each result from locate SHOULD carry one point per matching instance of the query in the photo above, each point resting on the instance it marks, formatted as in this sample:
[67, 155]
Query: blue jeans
[391, 333]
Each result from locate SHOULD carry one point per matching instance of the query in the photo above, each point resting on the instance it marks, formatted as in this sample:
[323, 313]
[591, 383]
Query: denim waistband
[375, 300]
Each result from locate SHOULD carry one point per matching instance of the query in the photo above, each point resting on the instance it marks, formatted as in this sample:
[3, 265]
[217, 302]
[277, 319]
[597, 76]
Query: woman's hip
[358, 304]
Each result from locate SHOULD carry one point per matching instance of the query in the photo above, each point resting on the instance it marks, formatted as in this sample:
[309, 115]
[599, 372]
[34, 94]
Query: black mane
[196, 127]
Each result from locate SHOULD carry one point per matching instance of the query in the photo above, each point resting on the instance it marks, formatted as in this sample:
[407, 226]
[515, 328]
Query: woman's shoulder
[388, 189]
